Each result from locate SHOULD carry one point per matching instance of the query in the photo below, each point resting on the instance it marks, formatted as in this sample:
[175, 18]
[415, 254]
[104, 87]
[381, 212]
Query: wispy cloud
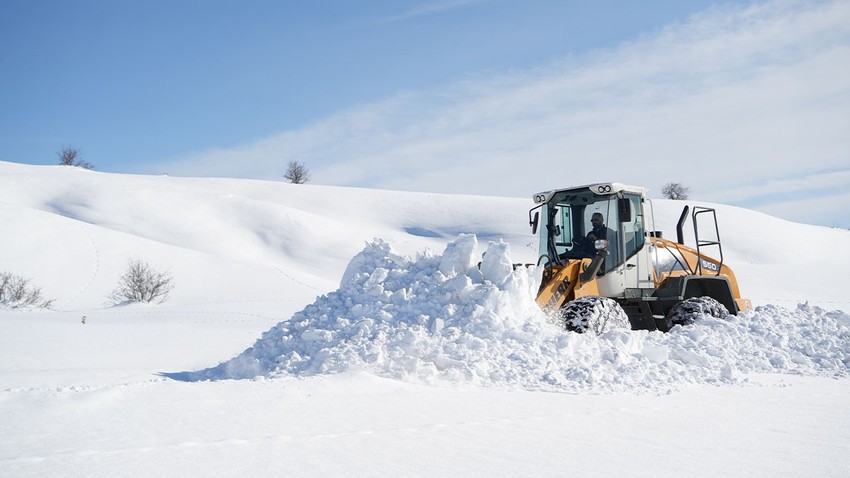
[428, 8]
[732, 103]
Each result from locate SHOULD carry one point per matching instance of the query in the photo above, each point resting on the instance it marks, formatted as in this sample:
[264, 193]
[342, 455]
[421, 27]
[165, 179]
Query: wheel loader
[655, 281]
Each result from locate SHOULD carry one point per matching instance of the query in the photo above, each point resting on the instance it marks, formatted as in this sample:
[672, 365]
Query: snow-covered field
[318, 330]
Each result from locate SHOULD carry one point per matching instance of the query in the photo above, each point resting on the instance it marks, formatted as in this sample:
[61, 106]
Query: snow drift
[448, 319]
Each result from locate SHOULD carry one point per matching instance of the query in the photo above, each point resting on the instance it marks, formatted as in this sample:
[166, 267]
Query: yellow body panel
[562, 284]
[557, 286]
[691, 259]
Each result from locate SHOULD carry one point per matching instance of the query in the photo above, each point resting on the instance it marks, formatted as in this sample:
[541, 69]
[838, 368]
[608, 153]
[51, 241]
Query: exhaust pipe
[679, 234]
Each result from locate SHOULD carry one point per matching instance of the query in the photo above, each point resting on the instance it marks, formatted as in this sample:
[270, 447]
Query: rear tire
[690, 310]
[593, 314]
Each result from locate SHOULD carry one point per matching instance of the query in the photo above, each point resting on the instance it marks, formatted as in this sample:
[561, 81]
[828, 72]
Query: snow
[318, 330]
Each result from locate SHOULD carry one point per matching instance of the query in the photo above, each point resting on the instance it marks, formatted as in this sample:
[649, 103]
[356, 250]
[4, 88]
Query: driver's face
[596, 220]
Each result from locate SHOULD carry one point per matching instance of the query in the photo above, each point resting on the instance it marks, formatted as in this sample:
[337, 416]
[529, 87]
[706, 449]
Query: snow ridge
[446, 319]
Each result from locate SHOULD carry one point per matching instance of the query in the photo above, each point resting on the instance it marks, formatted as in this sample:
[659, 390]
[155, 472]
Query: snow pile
[443, 318]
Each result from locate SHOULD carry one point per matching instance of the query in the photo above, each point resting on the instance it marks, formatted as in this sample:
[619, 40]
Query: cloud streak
[428, 8]
[733, 103]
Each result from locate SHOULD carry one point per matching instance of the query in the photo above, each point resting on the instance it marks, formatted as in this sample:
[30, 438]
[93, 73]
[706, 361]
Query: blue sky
[746, 102]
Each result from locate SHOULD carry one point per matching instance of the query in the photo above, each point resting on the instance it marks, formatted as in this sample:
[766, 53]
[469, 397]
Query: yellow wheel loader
[605, 266]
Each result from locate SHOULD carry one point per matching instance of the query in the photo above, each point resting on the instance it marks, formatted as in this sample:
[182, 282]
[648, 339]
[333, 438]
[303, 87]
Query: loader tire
[593, 314]
[690, 310]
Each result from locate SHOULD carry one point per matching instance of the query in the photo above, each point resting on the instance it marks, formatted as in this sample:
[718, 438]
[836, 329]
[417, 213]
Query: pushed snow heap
[437, 319]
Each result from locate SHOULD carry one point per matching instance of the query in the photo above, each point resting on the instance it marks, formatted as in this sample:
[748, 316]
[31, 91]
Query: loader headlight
[601, 244]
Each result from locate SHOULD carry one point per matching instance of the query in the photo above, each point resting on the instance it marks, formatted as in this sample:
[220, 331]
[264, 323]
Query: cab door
[638, 265]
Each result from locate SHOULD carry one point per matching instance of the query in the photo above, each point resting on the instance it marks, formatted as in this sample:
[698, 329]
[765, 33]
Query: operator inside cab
[584, 246]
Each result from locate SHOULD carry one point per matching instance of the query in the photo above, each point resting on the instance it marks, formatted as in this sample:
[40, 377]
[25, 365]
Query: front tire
[593, 314]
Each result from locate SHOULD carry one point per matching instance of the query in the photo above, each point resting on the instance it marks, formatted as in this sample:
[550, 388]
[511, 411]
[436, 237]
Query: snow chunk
[457, 258]
[496, 265]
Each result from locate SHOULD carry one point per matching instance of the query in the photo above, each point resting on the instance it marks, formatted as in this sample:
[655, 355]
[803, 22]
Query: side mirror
[625, 207]
[533, 222]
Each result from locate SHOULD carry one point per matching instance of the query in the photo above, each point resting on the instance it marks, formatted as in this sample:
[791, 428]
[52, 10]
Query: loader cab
[564, 220]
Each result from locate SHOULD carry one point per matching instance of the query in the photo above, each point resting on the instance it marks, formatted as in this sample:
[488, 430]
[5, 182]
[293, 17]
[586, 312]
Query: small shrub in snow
[297, 173]
[142, 283]
[15, 291]
[71, 157]
[675, 191]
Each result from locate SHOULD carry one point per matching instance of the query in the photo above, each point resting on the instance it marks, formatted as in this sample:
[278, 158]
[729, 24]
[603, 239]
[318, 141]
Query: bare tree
[297, 173]
[71, 157]
[142, 283]
[16, 291]
[675, 191]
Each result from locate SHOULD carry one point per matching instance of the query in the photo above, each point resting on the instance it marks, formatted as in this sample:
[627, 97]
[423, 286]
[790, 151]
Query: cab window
[633, 231]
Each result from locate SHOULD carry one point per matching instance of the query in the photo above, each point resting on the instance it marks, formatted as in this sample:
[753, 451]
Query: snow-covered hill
[82, 226]
[380, 350]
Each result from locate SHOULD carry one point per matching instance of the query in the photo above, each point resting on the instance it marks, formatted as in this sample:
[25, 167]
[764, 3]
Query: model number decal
[709, 265]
